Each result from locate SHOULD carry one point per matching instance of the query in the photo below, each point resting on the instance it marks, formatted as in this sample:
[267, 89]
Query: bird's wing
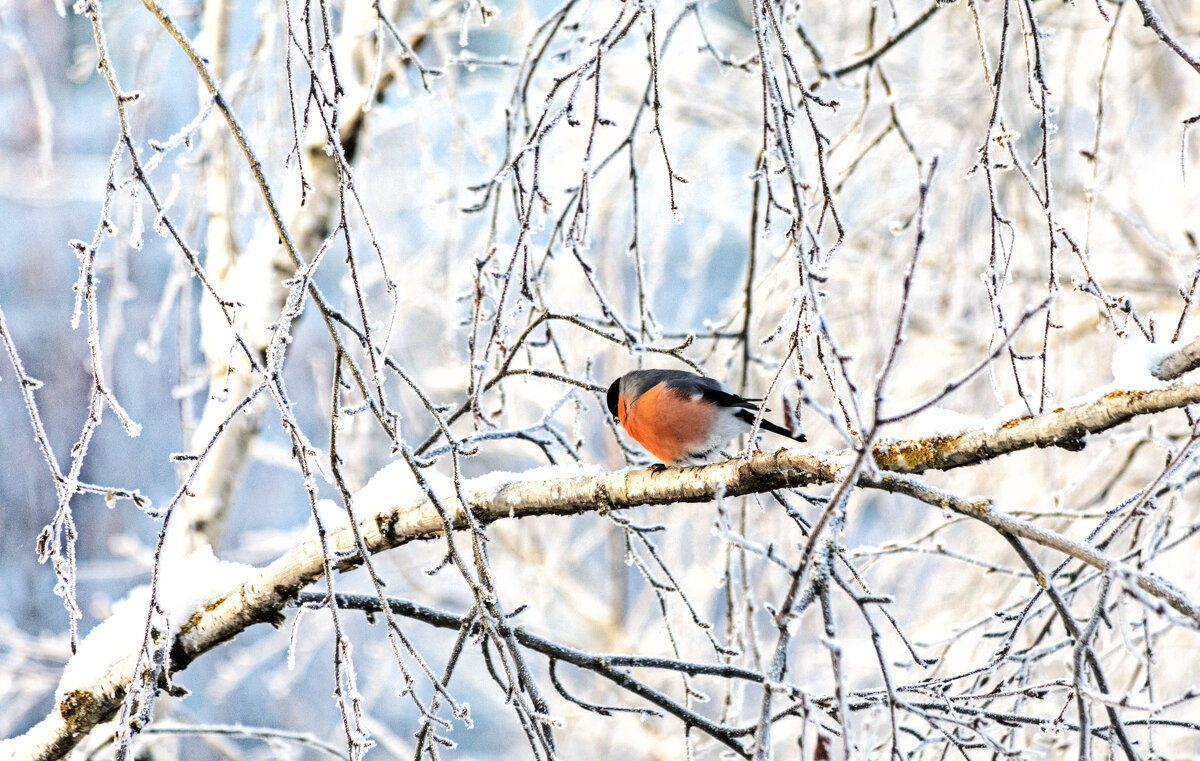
[708, 388]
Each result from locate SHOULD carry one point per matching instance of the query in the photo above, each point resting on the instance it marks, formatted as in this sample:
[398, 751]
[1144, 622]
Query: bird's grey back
[638, 382]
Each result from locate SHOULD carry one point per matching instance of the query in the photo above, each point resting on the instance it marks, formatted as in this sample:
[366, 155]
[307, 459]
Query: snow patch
[185, 586]
[490, 483]
[191, 583]
[333, 517]
[1134, 362]
[938, 421]
[394, 486]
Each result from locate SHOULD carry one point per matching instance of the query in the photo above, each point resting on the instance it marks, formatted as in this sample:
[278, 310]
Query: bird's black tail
[767, 425]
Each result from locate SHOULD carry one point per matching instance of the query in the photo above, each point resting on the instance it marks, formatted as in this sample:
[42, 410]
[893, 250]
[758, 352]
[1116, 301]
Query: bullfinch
[683, 418]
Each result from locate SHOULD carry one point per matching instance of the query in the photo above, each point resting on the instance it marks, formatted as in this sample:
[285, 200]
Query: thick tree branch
[556, 491]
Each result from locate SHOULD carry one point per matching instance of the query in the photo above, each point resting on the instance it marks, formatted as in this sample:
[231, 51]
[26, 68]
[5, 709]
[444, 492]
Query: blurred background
[581, 189]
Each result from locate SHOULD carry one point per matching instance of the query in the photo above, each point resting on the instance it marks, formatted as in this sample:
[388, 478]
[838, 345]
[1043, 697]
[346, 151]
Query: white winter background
[841, 207]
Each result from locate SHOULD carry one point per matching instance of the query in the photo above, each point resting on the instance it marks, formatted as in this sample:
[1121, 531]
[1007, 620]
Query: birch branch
[263, 597]
[1065, 427]
[1178, 362]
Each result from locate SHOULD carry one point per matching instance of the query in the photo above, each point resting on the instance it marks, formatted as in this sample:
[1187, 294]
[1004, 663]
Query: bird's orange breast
[667, 423]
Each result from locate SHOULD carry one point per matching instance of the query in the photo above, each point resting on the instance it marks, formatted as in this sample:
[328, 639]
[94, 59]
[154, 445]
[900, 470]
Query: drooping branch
[986, 512]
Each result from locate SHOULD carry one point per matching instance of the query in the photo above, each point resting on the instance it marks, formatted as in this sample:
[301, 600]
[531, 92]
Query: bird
[683, 418]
